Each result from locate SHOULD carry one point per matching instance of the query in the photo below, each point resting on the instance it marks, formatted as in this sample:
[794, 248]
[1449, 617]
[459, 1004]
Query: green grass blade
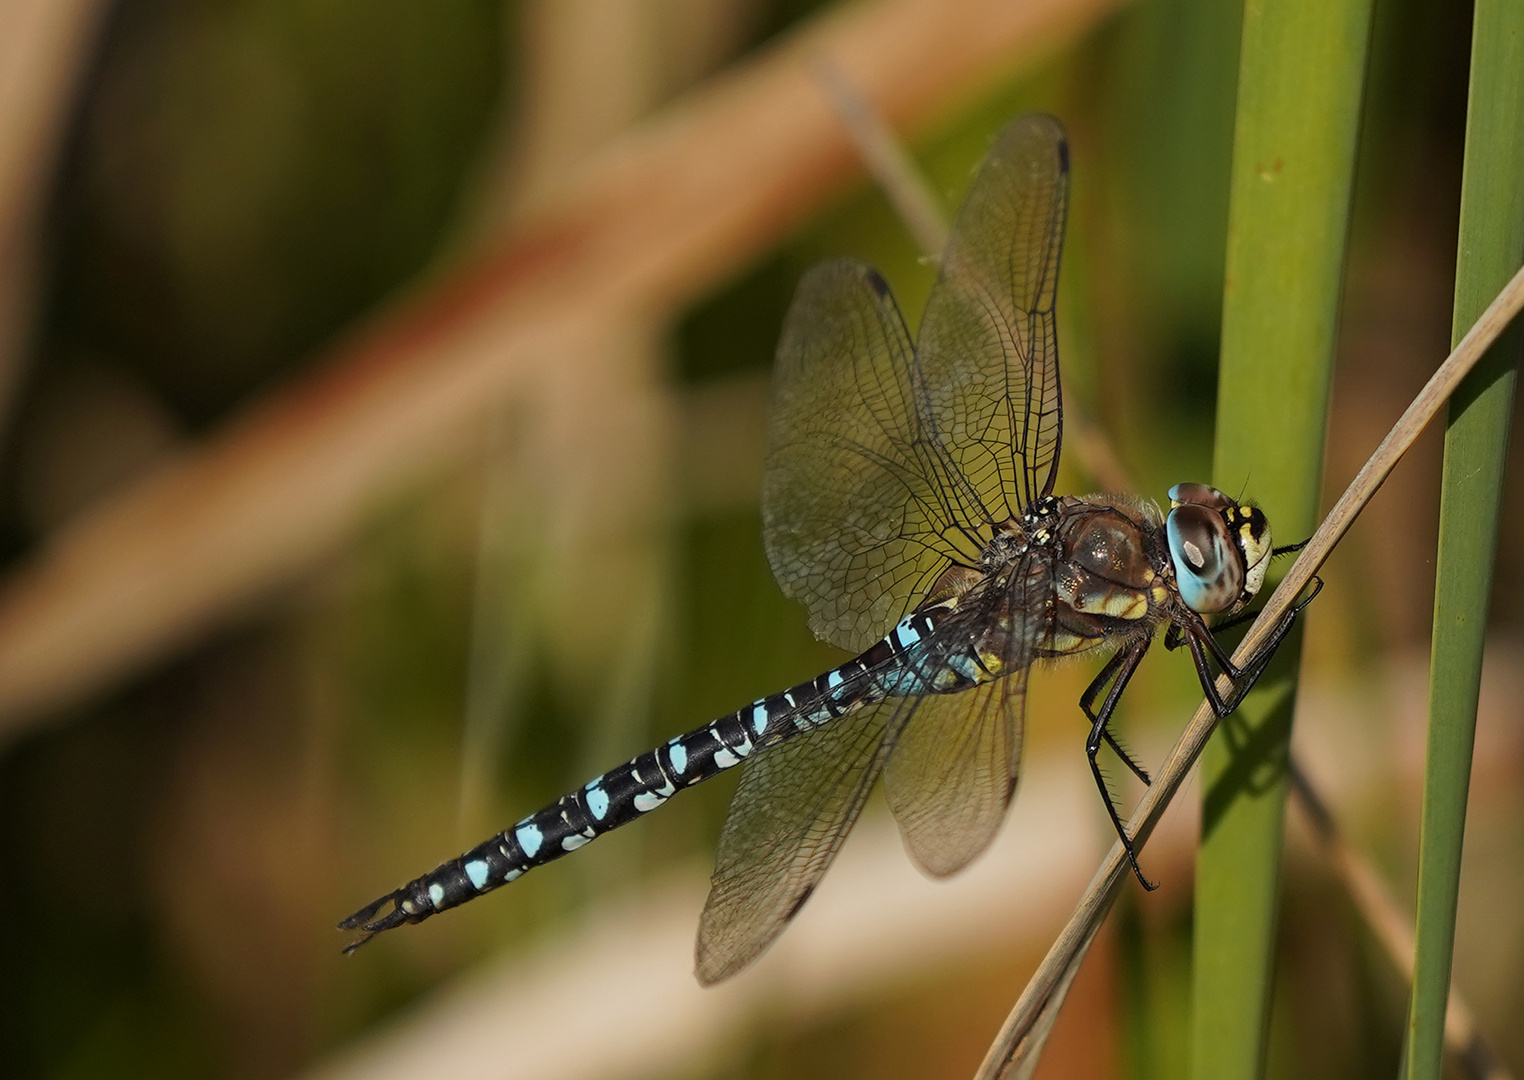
[1491, 247]
[1301, 75]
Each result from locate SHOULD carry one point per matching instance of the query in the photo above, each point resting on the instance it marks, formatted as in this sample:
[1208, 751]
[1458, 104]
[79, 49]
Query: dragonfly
[908, 504]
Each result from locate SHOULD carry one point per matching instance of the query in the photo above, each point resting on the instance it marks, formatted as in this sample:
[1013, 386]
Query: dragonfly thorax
[1038, 523]
[1005, 546]
[1219, 548]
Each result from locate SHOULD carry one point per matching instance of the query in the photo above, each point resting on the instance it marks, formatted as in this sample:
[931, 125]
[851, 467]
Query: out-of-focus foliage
[248, 176]
[1490, 248]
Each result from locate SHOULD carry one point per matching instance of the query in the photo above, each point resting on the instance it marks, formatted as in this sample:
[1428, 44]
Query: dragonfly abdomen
[891, 667]
[895, 666]
[604, 803]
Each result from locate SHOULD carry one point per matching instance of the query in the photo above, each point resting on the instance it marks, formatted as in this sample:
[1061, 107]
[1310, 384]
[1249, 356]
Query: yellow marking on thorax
[1065, 642]
[1116, 603]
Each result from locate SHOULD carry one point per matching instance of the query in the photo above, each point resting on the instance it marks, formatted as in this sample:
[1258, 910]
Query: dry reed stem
[1014, 1050]
[665, 211]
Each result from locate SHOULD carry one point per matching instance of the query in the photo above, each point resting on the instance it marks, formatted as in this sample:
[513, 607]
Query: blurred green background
[243, 179]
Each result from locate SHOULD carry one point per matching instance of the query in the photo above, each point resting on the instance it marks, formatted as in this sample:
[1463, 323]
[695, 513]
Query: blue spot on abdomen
[530, 838]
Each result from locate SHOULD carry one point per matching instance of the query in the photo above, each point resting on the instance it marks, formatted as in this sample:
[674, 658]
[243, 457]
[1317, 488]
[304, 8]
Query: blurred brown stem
[44, 46]
[644, 226]
[1393, 929]
[886, 160]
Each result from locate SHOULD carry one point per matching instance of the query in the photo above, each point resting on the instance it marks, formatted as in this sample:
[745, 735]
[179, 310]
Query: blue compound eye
[1209, 568]
[1199, 495]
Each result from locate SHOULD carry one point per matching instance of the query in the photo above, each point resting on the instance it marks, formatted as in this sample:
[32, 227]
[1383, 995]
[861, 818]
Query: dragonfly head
[1220, 549]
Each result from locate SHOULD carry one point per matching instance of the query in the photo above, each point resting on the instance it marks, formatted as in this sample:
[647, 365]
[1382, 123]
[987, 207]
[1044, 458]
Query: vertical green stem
[1301, 74]
[1476, 439]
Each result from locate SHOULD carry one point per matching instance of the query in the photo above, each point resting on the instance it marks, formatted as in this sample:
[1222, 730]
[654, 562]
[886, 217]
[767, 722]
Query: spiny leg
[1202, 640]
[1175, 636]
[1118, 671]
[1087, 704]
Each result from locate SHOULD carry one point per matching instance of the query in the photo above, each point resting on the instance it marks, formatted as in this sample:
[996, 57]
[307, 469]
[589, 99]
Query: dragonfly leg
[1175, 637]
[1118, 670]
[1202, 640]
[1227, 624]
[1093, 691]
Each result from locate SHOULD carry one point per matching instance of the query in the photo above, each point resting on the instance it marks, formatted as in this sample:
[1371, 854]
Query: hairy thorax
[1110, 570]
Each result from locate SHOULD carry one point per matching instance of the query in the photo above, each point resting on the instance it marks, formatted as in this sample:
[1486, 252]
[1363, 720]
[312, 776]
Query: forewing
[859, 513]
[988, 349]
[793, 808]
[952, 770]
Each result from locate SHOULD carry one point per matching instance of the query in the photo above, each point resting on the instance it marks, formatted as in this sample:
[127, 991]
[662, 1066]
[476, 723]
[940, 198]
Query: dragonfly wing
[952, 771]
[988, 348]
[793, 808]
[859, 516]
[953, 763]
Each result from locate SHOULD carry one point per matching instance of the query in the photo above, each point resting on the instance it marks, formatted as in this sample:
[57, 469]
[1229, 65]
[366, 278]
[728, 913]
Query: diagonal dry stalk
[894, 171]
[1015, 1050]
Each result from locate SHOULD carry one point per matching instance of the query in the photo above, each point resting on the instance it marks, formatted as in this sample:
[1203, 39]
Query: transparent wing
[988, 350]
[860, 511]
[952, 767]
[952, 771]
[794, 806]
[953, 757]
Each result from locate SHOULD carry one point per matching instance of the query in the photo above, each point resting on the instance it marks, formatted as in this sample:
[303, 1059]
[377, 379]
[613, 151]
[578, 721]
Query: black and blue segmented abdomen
[617, 797]
[893, 667]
